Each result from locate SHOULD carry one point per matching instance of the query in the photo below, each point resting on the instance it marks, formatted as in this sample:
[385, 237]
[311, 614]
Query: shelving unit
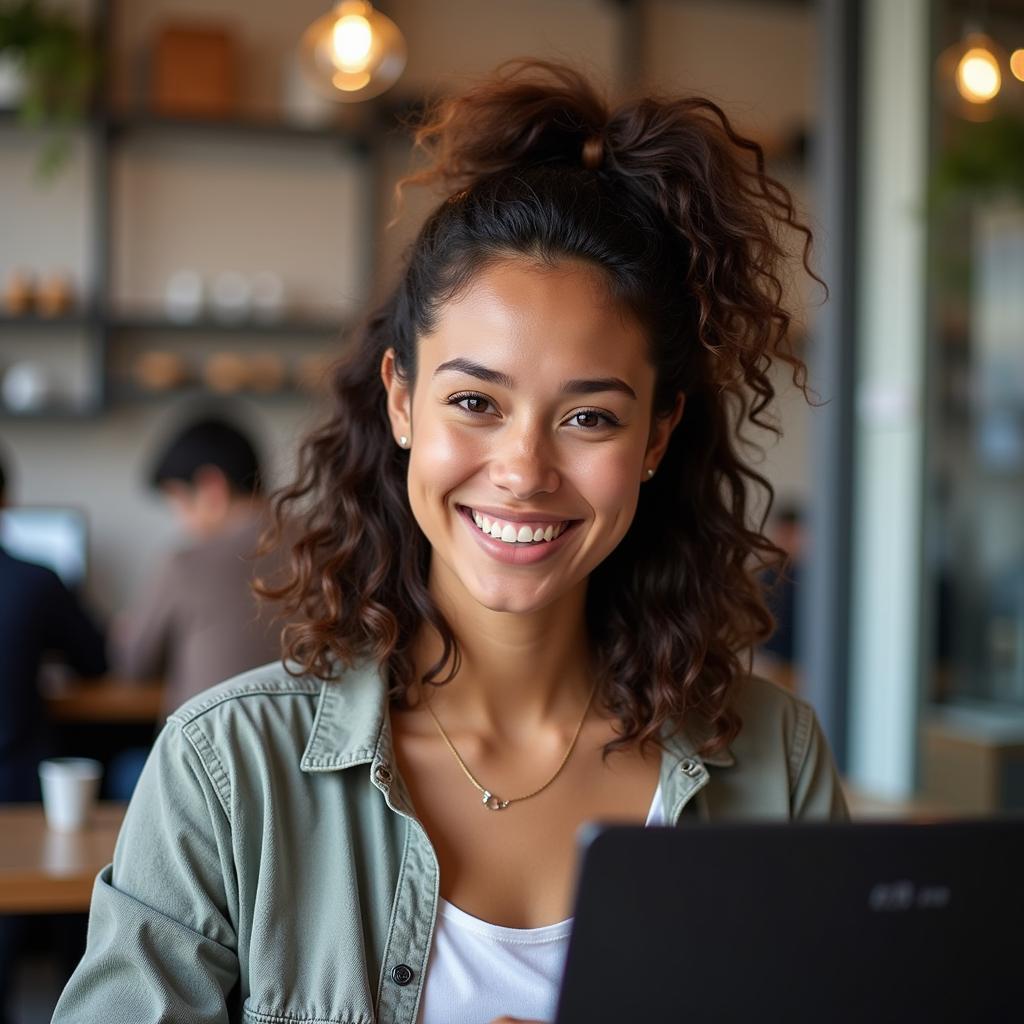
[35, 322]
[121, 125]
[108, 131]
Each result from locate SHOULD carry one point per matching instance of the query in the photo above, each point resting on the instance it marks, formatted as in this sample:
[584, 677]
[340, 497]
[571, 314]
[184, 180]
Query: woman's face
[530, 433]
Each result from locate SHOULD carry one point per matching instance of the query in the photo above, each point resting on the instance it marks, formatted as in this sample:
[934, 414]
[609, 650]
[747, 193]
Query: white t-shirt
[479, 971]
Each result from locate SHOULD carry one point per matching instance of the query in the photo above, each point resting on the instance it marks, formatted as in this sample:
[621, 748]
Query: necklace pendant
[493, 803]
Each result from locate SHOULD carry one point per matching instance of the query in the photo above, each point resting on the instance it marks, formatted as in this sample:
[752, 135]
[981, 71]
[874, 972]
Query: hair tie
[593, 152]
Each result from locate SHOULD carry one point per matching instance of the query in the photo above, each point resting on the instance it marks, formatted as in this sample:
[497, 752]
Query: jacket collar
[687, 741]
[350, 721]
[352, 727]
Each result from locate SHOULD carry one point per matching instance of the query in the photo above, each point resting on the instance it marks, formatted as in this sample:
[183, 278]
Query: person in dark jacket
[38, 615]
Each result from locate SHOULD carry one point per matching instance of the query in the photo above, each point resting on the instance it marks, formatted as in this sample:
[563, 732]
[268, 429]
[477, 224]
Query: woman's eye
[588, 419]
[471, 403]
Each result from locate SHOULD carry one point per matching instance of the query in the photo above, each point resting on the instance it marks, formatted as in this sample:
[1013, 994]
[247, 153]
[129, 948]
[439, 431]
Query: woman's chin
[510, 599]
[511, 605]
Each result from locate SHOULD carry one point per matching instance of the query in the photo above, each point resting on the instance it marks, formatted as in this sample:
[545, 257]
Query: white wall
[758, 60]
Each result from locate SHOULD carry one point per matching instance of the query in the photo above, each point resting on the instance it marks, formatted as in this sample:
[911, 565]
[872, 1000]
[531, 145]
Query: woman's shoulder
[272, 684]
[251, 725]
[277, 714]
[768, 703]
[781, 738]
[771, 714]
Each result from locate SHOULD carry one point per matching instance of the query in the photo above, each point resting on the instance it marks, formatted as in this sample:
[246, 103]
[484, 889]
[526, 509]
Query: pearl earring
[650, 473]
[403, 440]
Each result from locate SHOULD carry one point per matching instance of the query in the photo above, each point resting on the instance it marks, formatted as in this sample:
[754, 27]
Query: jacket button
[401, 974]
[383, 774]
[690, 767]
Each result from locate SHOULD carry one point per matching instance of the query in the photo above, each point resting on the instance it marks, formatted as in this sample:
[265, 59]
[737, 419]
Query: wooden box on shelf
[195, 70]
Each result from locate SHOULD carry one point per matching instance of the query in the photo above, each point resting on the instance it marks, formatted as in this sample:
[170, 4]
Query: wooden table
[105, 700]
[47, 872]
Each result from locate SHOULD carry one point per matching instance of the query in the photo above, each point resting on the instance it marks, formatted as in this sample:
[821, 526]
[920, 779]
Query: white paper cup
[70, 787]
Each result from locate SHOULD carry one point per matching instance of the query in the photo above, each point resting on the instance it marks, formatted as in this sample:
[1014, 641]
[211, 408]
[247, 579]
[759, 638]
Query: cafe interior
[196, 209]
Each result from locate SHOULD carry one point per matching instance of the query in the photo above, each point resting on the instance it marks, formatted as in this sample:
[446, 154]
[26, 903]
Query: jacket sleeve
[815, 790]
[161, 942]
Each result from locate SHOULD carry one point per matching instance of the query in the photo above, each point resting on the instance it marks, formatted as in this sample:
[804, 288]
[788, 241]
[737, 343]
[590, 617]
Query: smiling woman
[651, 271]
[522, 598]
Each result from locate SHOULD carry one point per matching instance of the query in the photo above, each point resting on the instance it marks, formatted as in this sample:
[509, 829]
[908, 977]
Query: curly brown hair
[676, 209]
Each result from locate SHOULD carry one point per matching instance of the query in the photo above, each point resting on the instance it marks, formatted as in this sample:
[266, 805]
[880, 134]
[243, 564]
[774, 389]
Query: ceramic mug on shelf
[26, 387]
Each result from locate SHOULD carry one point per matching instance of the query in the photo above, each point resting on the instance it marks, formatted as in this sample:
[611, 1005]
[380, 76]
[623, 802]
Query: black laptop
[827, 923]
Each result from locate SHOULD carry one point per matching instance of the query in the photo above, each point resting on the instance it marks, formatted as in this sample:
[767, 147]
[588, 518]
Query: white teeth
[511, 534]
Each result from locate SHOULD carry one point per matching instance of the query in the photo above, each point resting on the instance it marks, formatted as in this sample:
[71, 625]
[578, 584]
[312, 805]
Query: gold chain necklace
[490, 801]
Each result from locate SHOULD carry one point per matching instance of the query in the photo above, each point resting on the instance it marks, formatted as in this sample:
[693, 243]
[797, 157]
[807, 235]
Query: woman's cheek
[609, 476]
[445, 455]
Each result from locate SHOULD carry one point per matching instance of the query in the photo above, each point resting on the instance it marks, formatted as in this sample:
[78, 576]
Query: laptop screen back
[799, 923]
[54, 537]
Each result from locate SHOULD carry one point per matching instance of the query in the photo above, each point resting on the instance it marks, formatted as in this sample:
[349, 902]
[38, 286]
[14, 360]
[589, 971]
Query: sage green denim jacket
[271, 867]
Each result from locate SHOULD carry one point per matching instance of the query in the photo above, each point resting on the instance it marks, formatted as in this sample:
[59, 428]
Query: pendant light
[978, 78]
[352, 53]
[971, 75]
[1017, 64]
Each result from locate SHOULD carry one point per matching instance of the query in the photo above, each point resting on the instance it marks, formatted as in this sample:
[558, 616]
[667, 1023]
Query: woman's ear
[399, 398]
[661, 432]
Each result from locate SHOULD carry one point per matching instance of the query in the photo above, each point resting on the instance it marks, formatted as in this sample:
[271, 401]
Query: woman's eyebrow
[578, 386]
[593, 387]
[472, 369]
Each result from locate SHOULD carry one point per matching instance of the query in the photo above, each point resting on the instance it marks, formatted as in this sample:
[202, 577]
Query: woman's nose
[524, 467]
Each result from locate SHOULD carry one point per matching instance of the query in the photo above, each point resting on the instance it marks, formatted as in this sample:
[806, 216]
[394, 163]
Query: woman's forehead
[538, 316]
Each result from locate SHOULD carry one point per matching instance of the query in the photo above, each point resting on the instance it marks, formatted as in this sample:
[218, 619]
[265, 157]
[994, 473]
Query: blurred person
[39, 616]
[523, 593]
[198, 622]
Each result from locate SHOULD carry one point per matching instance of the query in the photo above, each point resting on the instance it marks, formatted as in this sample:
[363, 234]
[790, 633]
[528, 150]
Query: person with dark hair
[198, 621]
[214, 443]
[39, 616]
[524, 593]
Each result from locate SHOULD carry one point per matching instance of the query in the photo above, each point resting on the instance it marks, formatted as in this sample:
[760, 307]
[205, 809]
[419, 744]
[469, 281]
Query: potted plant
[47, 69]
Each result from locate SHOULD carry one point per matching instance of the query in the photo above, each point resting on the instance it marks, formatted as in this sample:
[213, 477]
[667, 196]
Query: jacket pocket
[250, 1015]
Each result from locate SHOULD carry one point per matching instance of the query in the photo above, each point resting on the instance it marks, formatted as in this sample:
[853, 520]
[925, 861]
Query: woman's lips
[515, 552]
[527, 529]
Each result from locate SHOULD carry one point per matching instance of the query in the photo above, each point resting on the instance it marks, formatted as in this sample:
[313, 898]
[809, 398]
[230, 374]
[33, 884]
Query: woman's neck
[517, 672]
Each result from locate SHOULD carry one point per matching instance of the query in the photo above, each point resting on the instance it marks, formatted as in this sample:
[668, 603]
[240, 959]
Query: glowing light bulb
[977, 76]
[352, 40]
[351, 81]
[352, 53]
[1017, 64]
